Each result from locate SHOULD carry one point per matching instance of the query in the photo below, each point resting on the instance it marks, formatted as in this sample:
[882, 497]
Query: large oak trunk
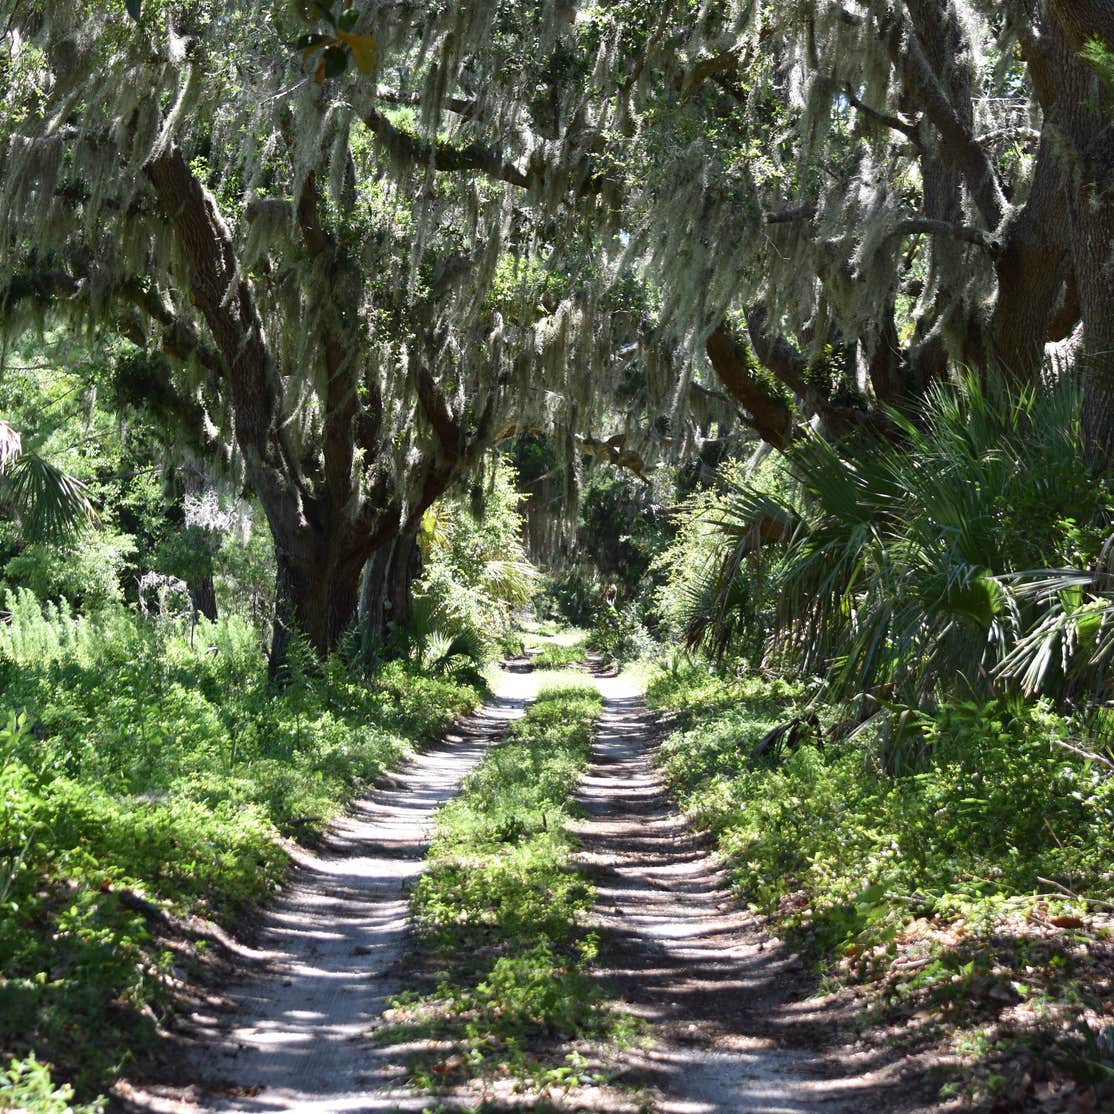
[203, 596]
[385, 595]
[317, 599]
[1093, 241]
[1088, 122]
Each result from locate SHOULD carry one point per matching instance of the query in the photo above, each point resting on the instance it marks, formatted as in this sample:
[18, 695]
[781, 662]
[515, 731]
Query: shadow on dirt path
[719, 995]
[292, 1037]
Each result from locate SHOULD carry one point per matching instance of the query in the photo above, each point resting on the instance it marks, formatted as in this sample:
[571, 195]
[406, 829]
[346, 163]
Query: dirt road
[293, 1037]
[683, 954]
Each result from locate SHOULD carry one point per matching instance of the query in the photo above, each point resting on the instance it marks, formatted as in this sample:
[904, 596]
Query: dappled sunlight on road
[294, 1036]
[682, 953]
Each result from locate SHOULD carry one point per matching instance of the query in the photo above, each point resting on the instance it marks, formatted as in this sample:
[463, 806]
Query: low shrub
[966, 879]
[143, 766]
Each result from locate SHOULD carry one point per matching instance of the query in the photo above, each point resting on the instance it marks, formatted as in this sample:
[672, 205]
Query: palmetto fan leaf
[1071, 643]
[48, 503]
[510, 581]
[892, 579]
[717, 598]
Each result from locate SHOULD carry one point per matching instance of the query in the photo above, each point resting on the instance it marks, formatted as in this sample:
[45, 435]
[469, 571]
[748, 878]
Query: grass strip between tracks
[500, 916]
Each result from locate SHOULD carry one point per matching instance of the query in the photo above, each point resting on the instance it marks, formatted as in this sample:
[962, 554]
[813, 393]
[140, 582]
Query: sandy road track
[293, 1035]
[681, 952]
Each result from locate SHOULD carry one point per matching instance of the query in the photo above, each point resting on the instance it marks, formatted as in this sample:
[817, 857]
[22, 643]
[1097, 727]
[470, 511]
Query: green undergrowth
[974, 888]
[500, 914]
[555, 648]
[554, 655]
[145, 769]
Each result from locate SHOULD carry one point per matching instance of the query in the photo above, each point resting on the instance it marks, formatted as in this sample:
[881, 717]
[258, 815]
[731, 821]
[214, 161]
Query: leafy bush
[475, 576]
[138, 769]
[999, 807]
[84, 571]
[27, 1087]
[900, 551]
[719, 593]
[556, 655]
[572, 597]
[619, 635]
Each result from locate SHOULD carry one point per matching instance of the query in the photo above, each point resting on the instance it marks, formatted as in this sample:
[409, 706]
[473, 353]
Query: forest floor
[727, 1019]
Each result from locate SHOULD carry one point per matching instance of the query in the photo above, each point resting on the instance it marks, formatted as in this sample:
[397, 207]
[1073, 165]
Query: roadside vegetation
[150, 769]
[499, 917]
[888, 721]
[551, 647]
[968, 903]
[151, 772]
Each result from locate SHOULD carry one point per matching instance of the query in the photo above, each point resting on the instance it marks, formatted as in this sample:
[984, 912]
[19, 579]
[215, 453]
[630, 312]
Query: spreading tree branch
[655, 37]
[341, 401]
[922, 82]
[909, 128]
[769, 414]
[224, 297]
[446, 429]
[789, 366]
[710, 68]
[444, 156]
[912, 226]
[466, 109]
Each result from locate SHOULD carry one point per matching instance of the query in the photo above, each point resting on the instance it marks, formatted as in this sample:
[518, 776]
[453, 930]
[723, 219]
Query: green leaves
[1099, 57]
[152, 763]
[502, 907]
[338, 45]
[49, 504]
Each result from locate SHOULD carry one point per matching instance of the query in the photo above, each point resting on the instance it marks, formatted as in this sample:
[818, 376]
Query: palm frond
[48, 503]
[510, 581]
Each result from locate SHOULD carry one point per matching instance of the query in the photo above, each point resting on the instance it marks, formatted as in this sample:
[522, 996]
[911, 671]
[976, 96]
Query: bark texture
[329, 519]
[388, 578]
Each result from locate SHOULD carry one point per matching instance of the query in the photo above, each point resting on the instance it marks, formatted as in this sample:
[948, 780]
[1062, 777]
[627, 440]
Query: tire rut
[293, 1036]
[682, 954]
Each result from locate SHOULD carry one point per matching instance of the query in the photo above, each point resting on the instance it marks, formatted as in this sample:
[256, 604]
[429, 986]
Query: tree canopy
[354, 245]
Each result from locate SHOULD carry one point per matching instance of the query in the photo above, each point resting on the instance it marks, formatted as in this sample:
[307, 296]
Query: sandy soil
[292, 1034]
[722, 999]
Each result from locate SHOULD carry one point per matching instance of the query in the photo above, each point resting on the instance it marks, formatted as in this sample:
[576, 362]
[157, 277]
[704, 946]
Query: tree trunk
[315, 599]
[389, 574]
[1090, 195]
[203, 597]
[203, 593]
[1033, 269]
[1092, 238]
